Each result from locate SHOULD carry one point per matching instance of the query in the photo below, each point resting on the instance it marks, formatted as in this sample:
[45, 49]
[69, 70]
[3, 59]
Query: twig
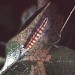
[67, 20]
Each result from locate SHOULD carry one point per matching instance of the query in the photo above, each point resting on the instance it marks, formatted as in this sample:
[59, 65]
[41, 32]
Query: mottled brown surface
[38, 69]
[38, 55]
[39, 52]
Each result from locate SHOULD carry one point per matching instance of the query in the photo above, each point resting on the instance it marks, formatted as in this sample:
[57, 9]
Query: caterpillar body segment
[37, 34]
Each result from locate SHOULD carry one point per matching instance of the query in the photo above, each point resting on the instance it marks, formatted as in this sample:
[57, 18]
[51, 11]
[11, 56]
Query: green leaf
[12, 54]
[62, 63]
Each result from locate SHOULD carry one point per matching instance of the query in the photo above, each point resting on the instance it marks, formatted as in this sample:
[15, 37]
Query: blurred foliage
[62, 63]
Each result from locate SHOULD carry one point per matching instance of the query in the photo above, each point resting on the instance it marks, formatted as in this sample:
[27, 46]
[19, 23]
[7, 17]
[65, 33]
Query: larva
[37, 34]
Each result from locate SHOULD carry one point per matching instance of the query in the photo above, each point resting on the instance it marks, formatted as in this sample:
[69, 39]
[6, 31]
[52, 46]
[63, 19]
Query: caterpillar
[37, 34]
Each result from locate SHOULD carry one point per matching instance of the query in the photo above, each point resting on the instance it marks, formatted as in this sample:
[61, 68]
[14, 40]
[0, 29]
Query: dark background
[10, 13]
[68, 35]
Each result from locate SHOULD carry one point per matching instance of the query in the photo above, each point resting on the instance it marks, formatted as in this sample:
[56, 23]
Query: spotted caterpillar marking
[37, 34]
